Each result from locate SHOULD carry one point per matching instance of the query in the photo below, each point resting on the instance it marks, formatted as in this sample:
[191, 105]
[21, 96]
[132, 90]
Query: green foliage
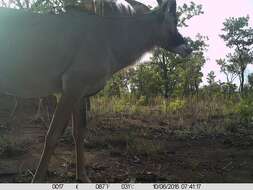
[211, 78]
[239, 36]
[146, 81]
[190, 73]
[186, 12]
[165, 106]
[118, 85]
[230, 70]
[167, 65]
[175, 105]
[228, 88]
[142, 101]
[121, 104]
[245, 111]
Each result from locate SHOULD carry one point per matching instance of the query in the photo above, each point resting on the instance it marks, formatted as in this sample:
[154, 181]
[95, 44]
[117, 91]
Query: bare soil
[125, 148]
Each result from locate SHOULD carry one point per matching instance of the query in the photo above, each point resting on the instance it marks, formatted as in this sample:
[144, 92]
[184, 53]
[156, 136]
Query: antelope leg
[57, 126]
[79, 119]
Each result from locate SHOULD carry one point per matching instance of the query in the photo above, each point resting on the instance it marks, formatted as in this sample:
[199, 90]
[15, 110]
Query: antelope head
[170, 38]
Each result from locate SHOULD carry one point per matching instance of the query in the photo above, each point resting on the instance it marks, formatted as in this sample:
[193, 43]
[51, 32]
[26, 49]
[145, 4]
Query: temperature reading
[127, 186]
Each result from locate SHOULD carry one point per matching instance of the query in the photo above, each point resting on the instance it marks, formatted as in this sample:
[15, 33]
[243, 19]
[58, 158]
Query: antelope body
[75, 54]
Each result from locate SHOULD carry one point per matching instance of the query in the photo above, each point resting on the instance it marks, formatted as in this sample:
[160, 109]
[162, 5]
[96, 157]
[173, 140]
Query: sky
[210, 24]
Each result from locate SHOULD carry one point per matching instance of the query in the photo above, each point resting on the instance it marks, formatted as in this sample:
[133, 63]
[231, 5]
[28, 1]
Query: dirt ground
[125, 148]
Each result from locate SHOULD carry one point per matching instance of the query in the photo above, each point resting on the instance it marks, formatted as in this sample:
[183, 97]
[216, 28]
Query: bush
[245, 111]
[172, 105]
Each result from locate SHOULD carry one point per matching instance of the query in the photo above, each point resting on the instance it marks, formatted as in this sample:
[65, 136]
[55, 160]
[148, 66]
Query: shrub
[174, 105]
[245, 111]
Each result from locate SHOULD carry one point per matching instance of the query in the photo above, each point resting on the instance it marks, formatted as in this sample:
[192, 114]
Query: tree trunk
[165, 77]
[196, 88]
[242, 81]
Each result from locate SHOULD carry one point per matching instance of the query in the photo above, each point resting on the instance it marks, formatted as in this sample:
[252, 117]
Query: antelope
[74, 54]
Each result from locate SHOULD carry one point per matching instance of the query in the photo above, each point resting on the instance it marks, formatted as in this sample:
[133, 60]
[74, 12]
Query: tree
[230, 70]
[211, 78]
[239, 36]
[227, 88]
[186, 12]
[166, 64]
[191, 74]
[146, 81]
